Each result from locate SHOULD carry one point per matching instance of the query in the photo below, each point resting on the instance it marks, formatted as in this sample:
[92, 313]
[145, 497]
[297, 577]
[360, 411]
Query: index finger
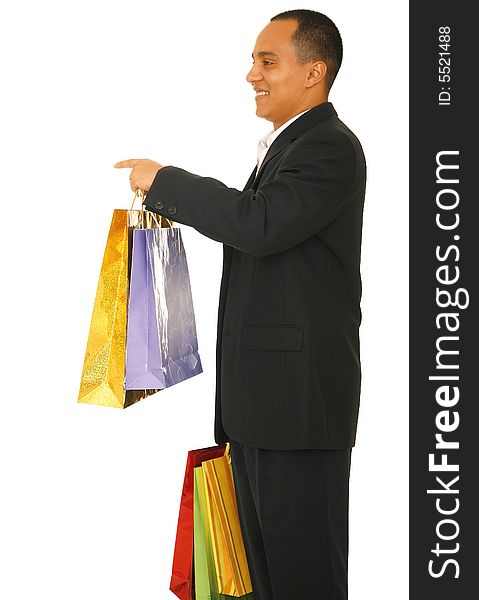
[130, 163]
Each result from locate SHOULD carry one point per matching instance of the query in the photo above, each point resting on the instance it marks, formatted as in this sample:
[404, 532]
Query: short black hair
[316, 38]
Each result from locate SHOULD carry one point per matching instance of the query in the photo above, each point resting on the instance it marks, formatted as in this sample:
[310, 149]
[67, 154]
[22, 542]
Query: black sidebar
[444, 274]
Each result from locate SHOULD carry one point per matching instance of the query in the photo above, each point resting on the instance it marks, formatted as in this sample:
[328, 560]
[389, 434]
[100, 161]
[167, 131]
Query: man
[288, 363]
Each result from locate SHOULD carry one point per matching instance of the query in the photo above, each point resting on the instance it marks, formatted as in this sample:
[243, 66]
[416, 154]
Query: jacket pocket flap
[277, 336]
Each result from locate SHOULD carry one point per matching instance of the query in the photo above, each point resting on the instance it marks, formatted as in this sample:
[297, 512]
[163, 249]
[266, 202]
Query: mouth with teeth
[261, 94]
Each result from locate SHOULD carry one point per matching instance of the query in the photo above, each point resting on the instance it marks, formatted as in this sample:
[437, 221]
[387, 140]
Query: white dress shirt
[267, 139]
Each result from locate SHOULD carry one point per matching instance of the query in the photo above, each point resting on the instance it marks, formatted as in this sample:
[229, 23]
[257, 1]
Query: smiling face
[290, 87]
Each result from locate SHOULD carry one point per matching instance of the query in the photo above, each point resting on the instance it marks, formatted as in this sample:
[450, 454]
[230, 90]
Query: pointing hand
[143, 172]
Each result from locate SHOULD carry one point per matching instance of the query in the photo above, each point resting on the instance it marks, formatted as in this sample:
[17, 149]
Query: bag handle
[228, 452]
[148, 213]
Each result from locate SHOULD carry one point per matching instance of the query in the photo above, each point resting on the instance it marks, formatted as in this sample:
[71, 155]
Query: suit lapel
[250, 180]
[301, 125]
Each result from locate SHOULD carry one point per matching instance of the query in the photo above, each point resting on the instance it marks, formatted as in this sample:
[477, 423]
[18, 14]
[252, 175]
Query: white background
[90, 495]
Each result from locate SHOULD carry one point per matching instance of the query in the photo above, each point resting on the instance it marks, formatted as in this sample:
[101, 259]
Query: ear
[317, 73]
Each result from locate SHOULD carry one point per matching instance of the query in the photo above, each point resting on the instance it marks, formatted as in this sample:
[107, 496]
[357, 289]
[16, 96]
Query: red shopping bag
[182, 584]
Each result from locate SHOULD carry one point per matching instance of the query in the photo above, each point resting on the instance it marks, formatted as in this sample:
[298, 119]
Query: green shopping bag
[202, 563]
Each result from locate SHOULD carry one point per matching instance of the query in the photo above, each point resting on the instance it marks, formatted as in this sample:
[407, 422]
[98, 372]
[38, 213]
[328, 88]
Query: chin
[260, 113]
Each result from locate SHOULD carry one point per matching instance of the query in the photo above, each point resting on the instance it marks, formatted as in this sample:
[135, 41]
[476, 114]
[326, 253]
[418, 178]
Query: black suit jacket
[288, 360]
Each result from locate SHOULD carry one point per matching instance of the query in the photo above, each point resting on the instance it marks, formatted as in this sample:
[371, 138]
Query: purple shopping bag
[174, 304]
[162, 346]
[143, 365]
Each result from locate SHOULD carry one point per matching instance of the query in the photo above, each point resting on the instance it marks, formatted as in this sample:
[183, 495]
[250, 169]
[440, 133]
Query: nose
[253, 75]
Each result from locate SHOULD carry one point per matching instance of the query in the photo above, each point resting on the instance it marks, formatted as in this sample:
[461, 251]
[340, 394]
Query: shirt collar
[267, 139]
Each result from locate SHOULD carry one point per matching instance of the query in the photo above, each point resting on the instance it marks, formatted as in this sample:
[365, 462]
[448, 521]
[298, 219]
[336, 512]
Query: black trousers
[293, 509]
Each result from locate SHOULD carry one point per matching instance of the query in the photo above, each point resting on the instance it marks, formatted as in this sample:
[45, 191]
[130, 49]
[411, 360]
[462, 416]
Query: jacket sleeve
[313, 184]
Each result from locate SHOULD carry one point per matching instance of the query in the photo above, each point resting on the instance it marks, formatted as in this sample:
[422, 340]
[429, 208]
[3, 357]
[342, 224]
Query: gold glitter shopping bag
[102, 380]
